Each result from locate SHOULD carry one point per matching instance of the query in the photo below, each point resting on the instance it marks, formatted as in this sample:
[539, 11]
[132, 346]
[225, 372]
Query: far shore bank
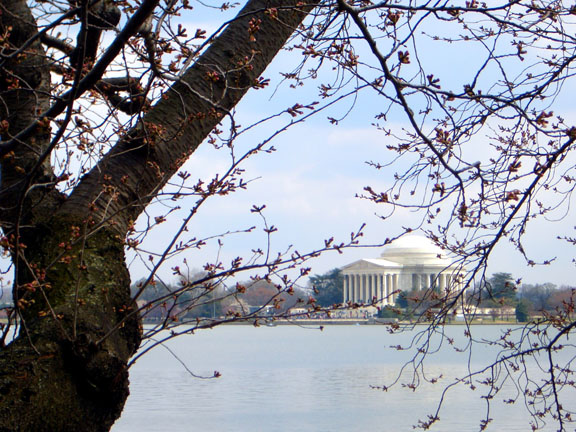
[273, 322]
[376, 321]
[340, 321]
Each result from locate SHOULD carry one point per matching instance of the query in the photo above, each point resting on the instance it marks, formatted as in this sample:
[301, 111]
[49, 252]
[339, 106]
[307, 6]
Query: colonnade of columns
[364, 288]
[430, 280]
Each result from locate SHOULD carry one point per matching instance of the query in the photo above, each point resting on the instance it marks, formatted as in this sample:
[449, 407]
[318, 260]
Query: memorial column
[394, 287]
[368, 288]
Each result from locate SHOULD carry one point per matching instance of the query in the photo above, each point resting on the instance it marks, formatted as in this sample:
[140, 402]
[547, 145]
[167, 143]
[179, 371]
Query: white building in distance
[410, 263]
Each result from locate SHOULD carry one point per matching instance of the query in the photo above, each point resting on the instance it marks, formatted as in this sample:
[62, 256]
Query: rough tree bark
[66, 369]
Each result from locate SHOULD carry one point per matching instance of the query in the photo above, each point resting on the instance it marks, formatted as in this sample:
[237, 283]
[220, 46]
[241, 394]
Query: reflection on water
[291, 379]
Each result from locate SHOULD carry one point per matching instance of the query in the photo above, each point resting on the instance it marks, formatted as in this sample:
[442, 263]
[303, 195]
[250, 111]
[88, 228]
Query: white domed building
[410, 263]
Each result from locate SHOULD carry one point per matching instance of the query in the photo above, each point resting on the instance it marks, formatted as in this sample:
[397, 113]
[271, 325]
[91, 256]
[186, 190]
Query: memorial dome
[415, 249]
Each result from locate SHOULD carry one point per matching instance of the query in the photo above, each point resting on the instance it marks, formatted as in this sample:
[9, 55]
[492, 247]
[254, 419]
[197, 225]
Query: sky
[310, 183]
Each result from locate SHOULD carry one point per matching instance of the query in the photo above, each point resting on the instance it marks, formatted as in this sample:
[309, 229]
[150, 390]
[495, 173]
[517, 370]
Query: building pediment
[370, 264]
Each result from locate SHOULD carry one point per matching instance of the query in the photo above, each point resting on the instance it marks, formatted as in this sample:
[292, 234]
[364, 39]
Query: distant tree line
[159, 300]
[501, 290]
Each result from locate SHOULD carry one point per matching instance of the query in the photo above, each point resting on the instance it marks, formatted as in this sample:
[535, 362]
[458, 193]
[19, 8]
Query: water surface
[288, 378]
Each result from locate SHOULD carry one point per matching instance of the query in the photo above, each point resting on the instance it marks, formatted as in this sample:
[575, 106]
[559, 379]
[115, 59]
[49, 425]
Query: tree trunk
[67, 368]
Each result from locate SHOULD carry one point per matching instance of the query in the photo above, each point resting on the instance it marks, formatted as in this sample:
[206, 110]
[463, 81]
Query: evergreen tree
[328, 288]
[502, 286]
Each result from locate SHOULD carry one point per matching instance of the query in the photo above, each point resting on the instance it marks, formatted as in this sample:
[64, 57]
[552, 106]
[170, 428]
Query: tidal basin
[288, 378]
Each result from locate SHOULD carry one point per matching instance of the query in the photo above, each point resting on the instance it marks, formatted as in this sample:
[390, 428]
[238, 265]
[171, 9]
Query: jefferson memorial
[409, 263]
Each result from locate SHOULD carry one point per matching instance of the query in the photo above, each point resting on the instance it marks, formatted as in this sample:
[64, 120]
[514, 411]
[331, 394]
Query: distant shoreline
[338, 321]
[348, 321]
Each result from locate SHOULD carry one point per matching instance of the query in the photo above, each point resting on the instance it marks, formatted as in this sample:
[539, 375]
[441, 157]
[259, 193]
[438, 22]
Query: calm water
[292, 379]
